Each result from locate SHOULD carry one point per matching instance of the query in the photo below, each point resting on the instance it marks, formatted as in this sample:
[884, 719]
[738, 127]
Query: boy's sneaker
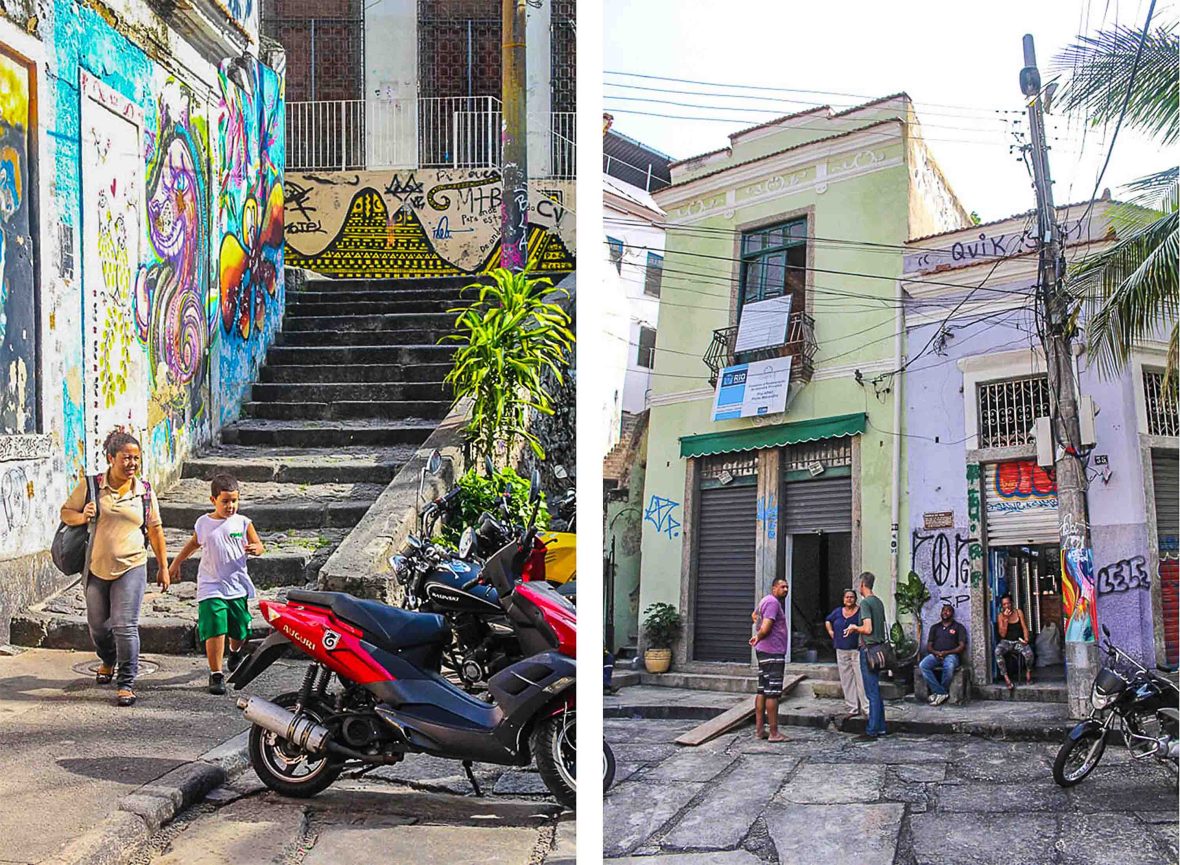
[217, 683]
[232, 660]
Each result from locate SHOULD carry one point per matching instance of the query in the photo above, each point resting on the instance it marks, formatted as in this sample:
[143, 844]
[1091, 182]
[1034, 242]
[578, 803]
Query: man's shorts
[770, 674]
[217, 616]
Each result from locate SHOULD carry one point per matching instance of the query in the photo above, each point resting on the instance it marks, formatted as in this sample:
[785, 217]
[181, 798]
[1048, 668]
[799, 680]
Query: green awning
[756, 438]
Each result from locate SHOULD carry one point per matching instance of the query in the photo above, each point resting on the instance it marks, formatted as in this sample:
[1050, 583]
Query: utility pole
[514, 204]
[1081, 653]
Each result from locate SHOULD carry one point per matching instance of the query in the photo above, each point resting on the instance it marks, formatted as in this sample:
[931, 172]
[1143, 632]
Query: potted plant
[910, 597]
[661, 625]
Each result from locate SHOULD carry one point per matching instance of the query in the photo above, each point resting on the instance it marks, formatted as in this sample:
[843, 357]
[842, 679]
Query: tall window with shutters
[647, 348]
[654, 275]
[774, 263]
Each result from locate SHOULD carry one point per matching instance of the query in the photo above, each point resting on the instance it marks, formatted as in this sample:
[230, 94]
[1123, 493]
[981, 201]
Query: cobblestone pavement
[421, 811]
[905, 800]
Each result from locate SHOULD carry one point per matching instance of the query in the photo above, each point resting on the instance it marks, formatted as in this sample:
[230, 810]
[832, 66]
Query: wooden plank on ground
[730, 719]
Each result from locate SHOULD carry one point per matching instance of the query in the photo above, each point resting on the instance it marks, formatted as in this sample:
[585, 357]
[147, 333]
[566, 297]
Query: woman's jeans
[876, 722]
[112, 612]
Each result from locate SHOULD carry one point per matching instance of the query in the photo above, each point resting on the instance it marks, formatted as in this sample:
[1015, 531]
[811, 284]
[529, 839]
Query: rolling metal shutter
[725, 573]
[1020, 504]
[818, 506]
[1165, 476]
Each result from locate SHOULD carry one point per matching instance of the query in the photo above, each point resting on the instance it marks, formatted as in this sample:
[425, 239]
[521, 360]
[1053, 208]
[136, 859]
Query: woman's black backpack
[72, 543]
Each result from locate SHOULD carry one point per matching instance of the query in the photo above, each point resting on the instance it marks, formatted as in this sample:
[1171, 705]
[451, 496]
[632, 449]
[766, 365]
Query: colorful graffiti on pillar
[250, 196]
[18, 322]
[1078, 594]
[172, 290]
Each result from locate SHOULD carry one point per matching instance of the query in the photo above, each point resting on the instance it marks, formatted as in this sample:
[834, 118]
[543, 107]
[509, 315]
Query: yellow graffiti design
[118, 332]
[14, 93]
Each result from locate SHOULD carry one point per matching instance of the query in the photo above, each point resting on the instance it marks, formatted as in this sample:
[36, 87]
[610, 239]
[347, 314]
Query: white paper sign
[752, 389]
[763, 324]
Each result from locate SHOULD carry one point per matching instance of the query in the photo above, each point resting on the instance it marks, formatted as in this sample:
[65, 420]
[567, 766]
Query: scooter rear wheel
[1077, 757]
[608, 766]
[554, 744]
[285, 768]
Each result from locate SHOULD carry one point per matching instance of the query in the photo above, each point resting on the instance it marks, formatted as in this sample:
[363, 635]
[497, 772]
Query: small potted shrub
[661, 625]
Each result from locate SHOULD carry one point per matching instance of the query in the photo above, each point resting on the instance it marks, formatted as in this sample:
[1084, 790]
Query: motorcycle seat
[391, 628]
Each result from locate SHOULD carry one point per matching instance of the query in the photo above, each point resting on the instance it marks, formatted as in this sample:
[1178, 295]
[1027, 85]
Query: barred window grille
[741, 465]
[563, 57]
[647, 348]
[830, 452]
[1009, 409]
[325, 46]
[1162, 419]
[654, 276]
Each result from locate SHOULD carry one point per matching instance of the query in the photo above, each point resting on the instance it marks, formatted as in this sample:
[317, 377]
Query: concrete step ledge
[157, 636]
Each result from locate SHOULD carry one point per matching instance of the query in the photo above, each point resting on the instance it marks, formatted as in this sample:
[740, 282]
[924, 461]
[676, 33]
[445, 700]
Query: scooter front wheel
[555, 750]
[1077, 757]
[285, 768]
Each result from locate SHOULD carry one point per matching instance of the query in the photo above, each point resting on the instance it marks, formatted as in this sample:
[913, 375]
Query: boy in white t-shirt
[223, 585]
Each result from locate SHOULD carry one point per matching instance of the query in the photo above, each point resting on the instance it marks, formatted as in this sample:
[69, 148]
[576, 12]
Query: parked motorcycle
[1146, 706]
[390, 699]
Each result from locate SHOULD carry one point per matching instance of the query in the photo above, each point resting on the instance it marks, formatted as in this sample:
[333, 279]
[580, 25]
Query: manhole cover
[89, 668]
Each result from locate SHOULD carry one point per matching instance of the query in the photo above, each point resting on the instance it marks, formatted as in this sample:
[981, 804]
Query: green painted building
[816, 206]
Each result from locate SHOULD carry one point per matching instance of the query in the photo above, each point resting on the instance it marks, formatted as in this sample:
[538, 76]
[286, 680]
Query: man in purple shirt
[770, 645]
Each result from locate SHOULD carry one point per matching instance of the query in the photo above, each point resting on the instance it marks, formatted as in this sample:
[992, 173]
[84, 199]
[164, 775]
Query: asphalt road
[905, 800]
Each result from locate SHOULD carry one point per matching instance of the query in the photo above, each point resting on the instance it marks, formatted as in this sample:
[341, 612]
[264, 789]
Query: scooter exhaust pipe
[302, 732]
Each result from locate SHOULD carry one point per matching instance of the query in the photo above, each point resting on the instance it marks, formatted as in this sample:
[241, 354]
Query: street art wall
[429, 222]
[249, 223]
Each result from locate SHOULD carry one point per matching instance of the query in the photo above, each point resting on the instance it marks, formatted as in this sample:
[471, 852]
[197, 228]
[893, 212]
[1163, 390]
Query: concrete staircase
[351, 387]
[822, 682]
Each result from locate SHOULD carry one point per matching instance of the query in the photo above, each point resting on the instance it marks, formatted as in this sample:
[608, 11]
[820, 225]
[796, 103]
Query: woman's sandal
[104, 674]
[125, 697]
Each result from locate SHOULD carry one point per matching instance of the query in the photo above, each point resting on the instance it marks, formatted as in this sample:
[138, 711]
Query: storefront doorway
[821, 569]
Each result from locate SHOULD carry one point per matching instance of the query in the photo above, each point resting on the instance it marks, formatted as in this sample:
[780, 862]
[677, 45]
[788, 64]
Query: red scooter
[374, 692]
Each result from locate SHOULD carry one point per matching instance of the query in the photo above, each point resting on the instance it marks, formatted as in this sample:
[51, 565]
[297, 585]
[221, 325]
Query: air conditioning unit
[1087, 411]
[1043, 433]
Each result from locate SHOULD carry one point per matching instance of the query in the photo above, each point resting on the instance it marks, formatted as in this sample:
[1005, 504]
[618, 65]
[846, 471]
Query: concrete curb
[1016, 732]
[141, 813]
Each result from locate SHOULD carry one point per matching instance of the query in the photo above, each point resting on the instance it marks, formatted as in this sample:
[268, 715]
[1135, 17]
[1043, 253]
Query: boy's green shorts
[217, 616]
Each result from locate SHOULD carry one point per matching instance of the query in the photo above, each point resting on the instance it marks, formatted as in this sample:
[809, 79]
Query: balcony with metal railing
[800, 346]
[450, 132]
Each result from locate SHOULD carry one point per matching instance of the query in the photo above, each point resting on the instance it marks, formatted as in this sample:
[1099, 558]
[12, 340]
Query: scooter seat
[389, 627]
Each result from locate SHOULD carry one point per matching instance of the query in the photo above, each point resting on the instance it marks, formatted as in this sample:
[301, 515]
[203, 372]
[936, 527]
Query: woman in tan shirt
[118, 560]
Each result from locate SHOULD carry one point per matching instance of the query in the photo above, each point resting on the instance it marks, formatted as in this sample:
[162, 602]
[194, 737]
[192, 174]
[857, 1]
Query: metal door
[726, 526]
[1165, 476]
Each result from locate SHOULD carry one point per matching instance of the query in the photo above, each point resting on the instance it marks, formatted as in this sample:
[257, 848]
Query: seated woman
[1013, 639]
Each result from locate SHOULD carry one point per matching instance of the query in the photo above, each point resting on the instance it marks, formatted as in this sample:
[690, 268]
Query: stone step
[307, 304]
[369, 353]
[701, 681]
[300, 465]
[1037, 692]
[330, 435]
[402, 373]
[407, 338]
[346, 410]
[167, 623]
[292, 558]
[275, 506]
[394, 286]
[418, 322]
[825, 690]
[330, 392]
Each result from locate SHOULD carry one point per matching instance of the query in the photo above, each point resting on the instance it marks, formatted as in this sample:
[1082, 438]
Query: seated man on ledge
[946, 645]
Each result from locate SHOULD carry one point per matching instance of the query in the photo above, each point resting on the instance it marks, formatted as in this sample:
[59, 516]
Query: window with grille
[325, 45]
[654, 275]
[1161, 405]
[829, 452]
[615, 253]
[740, 465]
[1009, 409]
[563, 57]
[459, 48]
[647, 347]
[774, 262]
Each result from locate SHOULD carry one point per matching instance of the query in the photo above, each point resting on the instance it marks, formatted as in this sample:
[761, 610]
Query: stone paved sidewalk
[904, 800]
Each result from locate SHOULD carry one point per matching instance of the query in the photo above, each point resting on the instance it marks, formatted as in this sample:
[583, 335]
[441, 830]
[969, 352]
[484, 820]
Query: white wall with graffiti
[142, 277]
[413, 223]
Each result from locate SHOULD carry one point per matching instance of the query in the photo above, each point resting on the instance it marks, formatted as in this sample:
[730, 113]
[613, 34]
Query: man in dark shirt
[946, 645]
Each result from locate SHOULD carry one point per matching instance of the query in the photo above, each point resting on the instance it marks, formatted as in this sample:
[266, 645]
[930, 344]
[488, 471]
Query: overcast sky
[959, 62]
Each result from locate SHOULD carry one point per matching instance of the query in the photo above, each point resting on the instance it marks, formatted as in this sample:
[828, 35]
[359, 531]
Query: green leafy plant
[507, 339]
[479, 493]
[661, 624]
[911, 595]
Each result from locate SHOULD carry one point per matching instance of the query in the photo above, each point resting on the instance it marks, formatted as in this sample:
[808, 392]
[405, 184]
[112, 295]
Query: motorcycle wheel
[1077, 758]
[608, 766]
[555, 751]
[286, 769]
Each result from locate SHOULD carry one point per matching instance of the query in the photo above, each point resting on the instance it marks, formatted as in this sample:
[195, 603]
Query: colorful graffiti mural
[112, 200]
[1078, 594]
[1022, 485]
[18, 310]
[418, 224]
[250, 215]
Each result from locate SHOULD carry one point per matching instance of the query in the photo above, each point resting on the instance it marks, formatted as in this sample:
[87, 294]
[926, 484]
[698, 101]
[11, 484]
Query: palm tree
[1130, 291]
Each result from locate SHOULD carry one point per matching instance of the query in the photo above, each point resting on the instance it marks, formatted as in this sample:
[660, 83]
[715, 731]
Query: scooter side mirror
[560, 473]
[434, 463]
[414, 541]
[535, 486]
[489, 466]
